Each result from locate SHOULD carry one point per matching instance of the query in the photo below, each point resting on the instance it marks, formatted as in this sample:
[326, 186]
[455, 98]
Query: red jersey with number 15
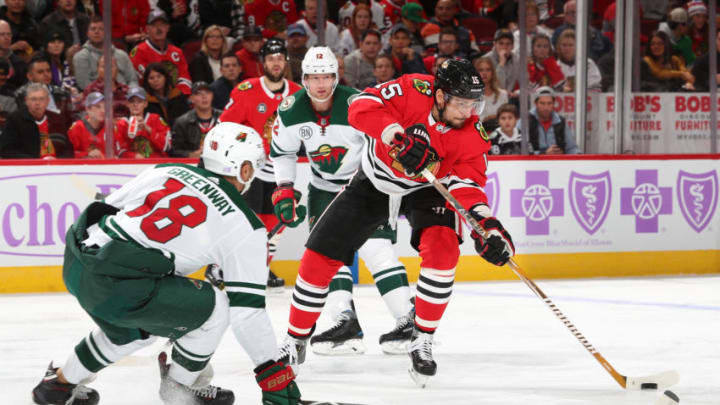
[408, 101]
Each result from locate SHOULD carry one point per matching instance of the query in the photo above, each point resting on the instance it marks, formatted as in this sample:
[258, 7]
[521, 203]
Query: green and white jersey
[196, 218]
[332, 146]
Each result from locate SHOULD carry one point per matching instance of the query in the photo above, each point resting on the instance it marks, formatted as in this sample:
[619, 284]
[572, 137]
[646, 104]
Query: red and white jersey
[132, 138]
[346, 11]
[408, 101]
[257, 11]
[172, 58]
[253, 104]
[391, 14]
[84, 138]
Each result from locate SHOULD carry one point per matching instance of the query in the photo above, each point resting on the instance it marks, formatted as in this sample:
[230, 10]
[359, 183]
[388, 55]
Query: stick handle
[622, 380]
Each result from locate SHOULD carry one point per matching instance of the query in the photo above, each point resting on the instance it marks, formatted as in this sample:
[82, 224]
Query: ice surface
[497, 344]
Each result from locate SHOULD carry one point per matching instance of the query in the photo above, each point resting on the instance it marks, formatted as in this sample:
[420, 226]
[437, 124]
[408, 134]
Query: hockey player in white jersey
[126, 260]
[316, 117]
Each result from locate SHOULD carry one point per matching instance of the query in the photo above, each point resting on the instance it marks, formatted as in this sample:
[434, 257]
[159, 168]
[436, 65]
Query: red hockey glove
[276, 381]
[498, 247]
[413, 149]
[285, 199]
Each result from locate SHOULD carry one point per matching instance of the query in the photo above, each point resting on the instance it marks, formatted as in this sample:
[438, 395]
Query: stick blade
[652, 382]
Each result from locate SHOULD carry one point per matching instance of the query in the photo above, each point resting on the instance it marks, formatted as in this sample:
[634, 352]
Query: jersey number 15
[165, 224]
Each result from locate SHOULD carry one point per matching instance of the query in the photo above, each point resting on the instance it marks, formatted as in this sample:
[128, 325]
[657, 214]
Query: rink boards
[592, 216]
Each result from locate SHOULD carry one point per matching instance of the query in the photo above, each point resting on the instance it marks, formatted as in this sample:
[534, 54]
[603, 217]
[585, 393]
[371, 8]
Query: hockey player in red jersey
[142, 135]
[157, 49]
[412, 123]
[254, 103]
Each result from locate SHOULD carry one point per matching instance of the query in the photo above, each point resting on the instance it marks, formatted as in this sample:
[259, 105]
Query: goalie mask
[320, 60]
[227, 146]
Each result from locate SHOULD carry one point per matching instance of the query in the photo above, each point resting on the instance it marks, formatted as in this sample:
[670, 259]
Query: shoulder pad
[422, 86]
[287, 103]
[244, 86]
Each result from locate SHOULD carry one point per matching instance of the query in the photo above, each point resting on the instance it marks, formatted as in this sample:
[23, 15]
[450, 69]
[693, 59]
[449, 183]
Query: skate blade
[420, 379]
[276, 290]
[395, 347]
[348, 347]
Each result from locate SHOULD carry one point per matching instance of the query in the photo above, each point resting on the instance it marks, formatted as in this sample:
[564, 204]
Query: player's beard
[273, 78]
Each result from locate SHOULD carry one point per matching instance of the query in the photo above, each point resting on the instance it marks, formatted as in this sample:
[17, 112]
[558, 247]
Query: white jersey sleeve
[283, 150]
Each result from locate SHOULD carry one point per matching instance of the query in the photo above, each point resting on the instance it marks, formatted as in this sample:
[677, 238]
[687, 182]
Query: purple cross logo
[537, 202]
[646, 201]
[492, 190]
[697, 194]
[590, 199]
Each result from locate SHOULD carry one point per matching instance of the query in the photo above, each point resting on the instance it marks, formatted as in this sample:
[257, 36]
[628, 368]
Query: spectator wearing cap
[598, 44]
[119, 90]
[297, 47]
[205, 65]
[60, 99]
[383, 70]
[698, 30]
[87, 134]
[310, 22]
[447, 46]
[350, 36]
[157, 49]
[404, 58]
[129, 20]
[55, 49]
[249, 55]
[7, 98]
[32, 131]
[701, 69]
[675, 28]
[412, 16]
[532, 29]
[141, 134]
[359, 64]
[445, 13]
[548, 132]
[71, 22]
[26, 36]
[190, 129]
[232, 74]
[507, 65]
[85, 61]
[163, 98]
[18, 67]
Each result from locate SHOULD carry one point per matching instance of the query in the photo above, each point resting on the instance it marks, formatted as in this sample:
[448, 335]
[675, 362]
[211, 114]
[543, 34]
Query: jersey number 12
[165, 224]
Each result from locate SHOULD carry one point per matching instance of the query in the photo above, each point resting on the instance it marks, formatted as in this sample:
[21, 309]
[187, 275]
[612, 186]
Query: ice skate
[423, 366]
[275, 284]
[52, 391]
[174, 393]
[292, 351]
[344, 337]
[396, 341]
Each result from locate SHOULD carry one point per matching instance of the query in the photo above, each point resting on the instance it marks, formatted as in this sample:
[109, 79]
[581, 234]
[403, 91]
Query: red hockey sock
[311, 289]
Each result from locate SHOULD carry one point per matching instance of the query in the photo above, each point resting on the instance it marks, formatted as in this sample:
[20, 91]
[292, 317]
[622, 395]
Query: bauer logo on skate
[697, 195]
[590, 197]
[646, 201]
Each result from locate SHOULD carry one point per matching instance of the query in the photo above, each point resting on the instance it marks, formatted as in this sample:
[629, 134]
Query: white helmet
[228, 145]
[320, 60]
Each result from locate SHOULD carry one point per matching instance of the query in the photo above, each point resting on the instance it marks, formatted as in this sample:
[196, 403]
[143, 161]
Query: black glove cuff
[264, 366]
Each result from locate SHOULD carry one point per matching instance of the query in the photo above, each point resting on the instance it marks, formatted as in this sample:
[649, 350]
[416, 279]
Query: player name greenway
[212, 191]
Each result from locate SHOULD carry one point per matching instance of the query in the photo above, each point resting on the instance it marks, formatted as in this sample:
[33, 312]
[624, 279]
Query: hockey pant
[190, 354]
[348, 223]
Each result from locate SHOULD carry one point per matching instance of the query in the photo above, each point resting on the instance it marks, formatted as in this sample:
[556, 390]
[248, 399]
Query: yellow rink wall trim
[470, 268]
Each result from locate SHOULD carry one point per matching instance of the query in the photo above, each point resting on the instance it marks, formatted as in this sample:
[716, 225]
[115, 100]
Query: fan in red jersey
[254, 103]
[412, 123]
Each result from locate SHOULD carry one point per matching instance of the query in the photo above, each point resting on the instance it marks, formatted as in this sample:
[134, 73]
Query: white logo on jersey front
[306, 132]
[261, 108]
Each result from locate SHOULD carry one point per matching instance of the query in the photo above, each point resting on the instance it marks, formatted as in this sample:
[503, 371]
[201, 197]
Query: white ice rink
[497, 344]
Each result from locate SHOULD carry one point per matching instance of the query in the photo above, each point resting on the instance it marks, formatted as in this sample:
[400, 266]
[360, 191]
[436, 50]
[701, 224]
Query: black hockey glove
[498, 247]
[276, 381]
[413, 149]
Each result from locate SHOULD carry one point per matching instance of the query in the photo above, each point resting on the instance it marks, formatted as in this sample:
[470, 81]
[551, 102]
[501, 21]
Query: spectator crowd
[175, 63]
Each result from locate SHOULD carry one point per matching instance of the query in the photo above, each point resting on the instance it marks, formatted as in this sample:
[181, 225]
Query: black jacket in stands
[58, 21]
[701, 71]
[221, 89]
[199, 67]
[558, 129]
[21, 138]
[186, 134]
[27, 30]
[171, 108]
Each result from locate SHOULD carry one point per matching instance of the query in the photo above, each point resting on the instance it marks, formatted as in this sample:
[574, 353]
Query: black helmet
[457, 77]
[273, 46]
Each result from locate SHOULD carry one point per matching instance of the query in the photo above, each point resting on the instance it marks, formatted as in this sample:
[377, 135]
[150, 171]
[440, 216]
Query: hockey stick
[654, 381]
[81, 185]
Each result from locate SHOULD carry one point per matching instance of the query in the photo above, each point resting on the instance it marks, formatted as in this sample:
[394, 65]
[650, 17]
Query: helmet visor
[467, 105]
